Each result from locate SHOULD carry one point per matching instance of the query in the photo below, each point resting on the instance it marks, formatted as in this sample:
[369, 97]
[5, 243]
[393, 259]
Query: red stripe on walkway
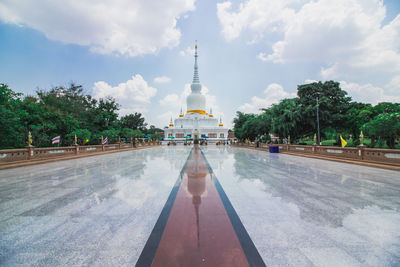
[198, 231]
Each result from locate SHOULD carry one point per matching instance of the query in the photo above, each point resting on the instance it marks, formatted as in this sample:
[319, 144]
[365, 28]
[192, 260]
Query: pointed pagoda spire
[220, 122]
[170, 123]
[196, 68]
[181, 114]
[211, 115]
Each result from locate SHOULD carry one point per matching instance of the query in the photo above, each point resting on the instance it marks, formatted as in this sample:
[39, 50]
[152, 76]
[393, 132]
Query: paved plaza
[214, 206]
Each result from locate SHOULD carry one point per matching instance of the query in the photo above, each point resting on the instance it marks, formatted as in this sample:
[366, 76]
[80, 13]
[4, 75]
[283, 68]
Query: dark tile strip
[250, 250]
[149, 250]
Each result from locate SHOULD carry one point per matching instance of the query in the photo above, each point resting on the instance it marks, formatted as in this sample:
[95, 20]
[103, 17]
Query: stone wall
[37, 153]
[362, 153]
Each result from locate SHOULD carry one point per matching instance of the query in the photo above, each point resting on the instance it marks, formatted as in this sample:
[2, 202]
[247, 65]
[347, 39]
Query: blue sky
[251, 53]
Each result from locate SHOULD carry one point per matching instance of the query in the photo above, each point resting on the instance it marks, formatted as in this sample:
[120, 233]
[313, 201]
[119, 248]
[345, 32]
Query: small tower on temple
[196, 101]
[170, 123]
[211, 115]
[220, 122]
[181, 115]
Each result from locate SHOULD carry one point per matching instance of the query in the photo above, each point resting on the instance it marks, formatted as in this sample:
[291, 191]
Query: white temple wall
[182, 132]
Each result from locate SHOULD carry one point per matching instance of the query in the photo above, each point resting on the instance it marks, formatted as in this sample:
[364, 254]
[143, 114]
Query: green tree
[133, 121]
[112, 135]
[285, 118]
[12, 132]
[333, 105]
[81, 134]
[386, 107]
[356, 116]
[239, 121]
[105, 114]
[128, 133]
[256, 126]
[138, 133]
[385, 126]
[63, 111]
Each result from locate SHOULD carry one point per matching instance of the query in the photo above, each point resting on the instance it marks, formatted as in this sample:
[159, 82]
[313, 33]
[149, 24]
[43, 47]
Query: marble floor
[100, 211]
[310, 212]
[93, 211]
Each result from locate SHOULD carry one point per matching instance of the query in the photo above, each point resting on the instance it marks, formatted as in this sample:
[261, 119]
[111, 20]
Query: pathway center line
[250, 250]
[150, 248]
[200, 226]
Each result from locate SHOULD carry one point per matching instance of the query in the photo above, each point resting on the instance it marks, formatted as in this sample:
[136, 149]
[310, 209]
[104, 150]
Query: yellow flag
[29, 138]
[344, 143]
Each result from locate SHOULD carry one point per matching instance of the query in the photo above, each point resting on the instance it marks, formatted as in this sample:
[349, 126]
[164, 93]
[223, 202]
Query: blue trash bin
[273, 149]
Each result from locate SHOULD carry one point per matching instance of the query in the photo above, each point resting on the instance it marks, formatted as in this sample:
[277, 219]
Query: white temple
[196, 124]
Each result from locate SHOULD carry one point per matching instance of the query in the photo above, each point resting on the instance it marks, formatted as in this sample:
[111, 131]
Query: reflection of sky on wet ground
[100, 210]
[88, 211]
[302, 211]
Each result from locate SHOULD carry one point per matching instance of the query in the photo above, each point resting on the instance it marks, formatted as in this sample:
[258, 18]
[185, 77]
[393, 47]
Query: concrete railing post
[76, 149]
[361, 152]
[30, 151]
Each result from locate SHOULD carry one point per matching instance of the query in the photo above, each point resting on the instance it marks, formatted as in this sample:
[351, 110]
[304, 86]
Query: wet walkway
[199, 231]
[221, 206]
[310, 212]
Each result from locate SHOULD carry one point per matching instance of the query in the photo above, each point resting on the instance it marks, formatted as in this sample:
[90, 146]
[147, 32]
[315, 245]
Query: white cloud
[347, 38]
[123, 27]
[257, 16]
[262, 57]
[367, 93]
[394, 85]
[189, 51]
[170, 101]
[273, 94]
[134, 95]
[162, 79]
[307, 81]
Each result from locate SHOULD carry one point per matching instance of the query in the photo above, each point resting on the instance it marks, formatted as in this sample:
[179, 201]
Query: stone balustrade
[33, 153]
[362, 153]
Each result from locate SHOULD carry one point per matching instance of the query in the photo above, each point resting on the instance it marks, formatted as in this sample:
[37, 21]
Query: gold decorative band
[197, 111]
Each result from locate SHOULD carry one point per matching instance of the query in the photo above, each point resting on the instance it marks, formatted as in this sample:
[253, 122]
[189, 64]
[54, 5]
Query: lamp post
[319, 137]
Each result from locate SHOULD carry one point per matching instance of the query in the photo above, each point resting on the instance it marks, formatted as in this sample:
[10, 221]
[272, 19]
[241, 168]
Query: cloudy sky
[251, 53]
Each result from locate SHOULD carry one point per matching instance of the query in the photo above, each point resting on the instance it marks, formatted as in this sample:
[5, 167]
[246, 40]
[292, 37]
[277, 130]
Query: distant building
[196, 123]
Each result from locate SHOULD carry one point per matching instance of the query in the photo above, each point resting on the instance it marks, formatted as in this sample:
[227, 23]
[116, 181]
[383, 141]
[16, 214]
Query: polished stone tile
[301, 211]
[94, 211]
[199, 231]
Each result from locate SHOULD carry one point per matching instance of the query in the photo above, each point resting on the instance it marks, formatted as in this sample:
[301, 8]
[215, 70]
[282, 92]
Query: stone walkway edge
[16, 164]
[361, 163]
